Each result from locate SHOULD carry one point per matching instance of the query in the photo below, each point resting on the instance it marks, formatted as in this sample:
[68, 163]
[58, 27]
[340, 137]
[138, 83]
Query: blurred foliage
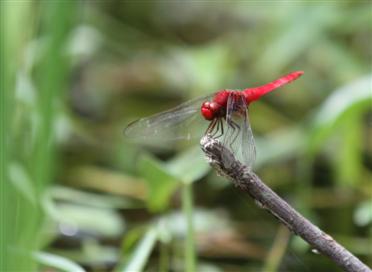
[77, 196]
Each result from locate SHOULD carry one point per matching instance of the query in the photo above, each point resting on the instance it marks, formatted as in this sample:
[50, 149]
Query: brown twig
[221, 159]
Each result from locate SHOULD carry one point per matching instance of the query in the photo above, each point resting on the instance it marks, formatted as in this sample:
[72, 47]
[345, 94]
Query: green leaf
[160, 182]
[363, 213]
[59, 262]
[343, 99]
[279, 145]
[142, 252]
[350, 99]
[22, 182]
[293, 38]
[72, 217]
[348, 156]
[188, 166]
[209, 66]
[80, 197]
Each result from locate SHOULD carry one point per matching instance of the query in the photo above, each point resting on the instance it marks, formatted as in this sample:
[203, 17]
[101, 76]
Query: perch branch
[224, 162]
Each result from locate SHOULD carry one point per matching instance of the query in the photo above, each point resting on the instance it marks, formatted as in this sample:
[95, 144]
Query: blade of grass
[51, 80]
[142, 253]
[353, 98]
[4, 100]
[278, 249]
[164, 257]
[22, 221]
[52, 260]
[187, 206]
[12, 40]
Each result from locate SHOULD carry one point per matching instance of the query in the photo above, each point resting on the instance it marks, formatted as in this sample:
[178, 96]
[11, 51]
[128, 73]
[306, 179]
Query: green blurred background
[76, 195]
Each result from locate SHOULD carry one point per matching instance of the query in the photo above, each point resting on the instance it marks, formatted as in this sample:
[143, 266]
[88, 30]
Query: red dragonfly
[225, 111]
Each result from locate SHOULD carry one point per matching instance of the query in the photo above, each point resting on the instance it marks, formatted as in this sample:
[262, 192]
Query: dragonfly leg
[219, 128]
[207, 131]
[211, 127]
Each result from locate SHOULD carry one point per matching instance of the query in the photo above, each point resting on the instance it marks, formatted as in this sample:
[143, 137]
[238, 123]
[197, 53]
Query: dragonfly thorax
[217, 107]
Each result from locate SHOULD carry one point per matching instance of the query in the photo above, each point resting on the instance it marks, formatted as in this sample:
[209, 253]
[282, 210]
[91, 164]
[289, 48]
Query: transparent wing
[238, 136]
[248, 146]
[183, 122]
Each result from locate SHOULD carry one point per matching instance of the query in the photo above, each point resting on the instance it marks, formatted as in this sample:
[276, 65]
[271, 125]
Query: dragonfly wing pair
[238, 136]
[183, 122]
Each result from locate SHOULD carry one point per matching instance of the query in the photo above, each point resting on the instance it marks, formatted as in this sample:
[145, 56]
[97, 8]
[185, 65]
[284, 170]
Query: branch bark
[224, 162]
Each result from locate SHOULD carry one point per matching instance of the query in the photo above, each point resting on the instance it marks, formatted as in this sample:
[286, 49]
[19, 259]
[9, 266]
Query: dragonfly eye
[206, 111]
[209, 109]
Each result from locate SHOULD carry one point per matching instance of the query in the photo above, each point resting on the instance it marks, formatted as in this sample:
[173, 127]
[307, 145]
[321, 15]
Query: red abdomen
[253, 94]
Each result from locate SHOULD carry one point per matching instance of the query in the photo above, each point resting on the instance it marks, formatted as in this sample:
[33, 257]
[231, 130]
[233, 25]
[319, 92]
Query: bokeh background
[77, 195]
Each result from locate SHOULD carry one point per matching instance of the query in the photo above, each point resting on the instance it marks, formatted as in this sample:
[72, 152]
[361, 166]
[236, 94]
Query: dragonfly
[224, 115]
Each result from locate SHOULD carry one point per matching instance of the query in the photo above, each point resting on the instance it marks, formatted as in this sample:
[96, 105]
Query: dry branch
[221, 159]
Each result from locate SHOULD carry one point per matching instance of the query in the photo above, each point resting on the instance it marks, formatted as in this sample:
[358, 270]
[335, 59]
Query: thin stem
[249, 182]
[164, 257]
[278, 249]
[5, 83]
[187, 206]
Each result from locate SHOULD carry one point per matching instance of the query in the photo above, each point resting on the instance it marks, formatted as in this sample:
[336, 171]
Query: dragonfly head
[210, 110]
